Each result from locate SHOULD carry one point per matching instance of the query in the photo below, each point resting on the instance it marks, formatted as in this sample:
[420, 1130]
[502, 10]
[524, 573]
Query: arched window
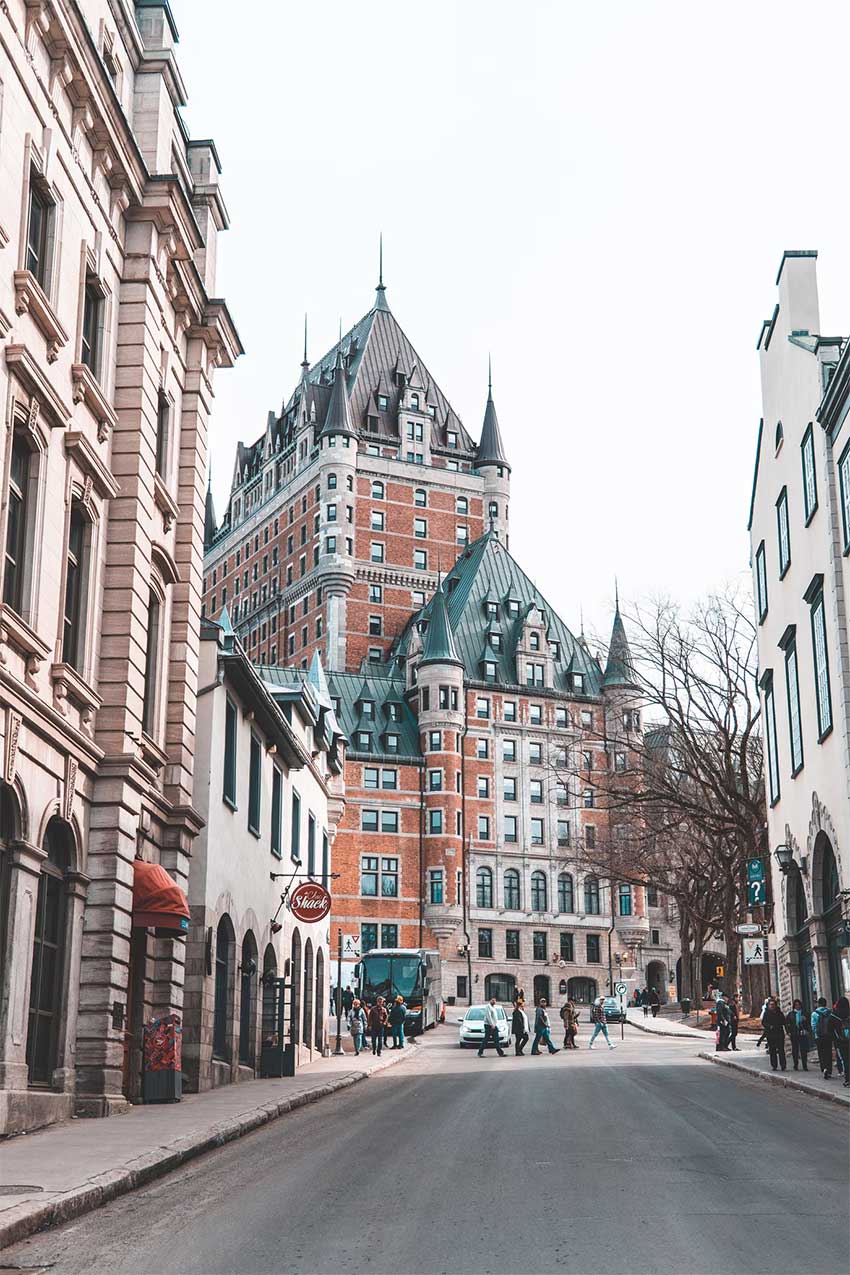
[308, 993]
[511, 882]
[268, 1026]
[778, 436]
[502, 986]
[76, 589]
[295, 994]
[539, 892]
[624, 900]
[321, 1000]
[224, 944]
[484, 888]
[48, 952]
[247, 1000]
[566, 899]
[591, 895]
[829, 877]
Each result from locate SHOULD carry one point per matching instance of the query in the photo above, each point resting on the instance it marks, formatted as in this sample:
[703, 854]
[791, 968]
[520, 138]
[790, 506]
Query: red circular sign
[310, 902]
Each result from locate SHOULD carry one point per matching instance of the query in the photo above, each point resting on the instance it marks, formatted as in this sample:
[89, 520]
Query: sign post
[339, 1051]
[621, 989]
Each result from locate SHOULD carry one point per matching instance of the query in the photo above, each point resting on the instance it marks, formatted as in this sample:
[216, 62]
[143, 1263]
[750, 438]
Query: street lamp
[784, 857]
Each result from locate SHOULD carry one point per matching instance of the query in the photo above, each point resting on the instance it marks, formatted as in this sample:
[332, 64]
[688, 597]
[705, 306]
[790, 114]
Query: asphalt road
[642, 1161]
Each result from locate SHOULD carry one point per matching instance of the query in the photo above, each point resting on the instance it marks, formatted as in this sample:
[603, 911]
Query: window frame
[762, 598]
[771, 741]
[255, 784]
[783, 533]
[792, 693]
[807, 461]
[231, 748]
[823, 701]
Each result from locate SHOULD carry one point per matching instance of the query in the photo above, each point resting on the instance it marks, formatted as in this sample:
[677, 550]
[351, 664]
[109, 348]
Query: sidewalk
[60, 1172]
[665, 1025]
[757, 1063]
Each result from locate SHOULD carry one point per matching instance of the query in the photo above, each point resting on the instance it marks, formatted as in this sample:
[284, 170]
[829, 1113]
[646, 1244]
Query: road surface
[645, 1161]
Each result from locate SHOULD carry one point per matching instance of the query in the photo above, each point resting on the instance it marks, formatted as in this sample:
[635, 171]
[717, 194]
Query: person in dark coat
[773, 1022]
[734, 1016]
[654, 1001]
[799, 1028]
[396, 1017]
[519, 1028]
[822, 1037]
[377, 1025]
[839, 1027]
[347, 1000]
[644, 1000]
[724, 1023]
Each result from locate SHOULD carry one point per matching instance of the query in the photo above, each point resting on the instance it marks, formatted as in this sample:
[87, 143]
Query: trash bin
[686, 1006]
[277, 1060]
[162, 1060]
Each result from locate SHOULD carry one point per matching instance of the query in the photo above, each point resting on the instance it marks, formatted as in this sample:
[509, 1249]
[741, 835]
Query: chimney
[798, 291]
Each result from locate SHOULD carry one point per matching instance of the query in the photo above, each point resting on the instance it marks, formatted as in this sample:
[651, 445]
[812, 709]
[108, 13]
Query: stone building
[109, 336]
[800, 537]
[268, 786]
[481, 731]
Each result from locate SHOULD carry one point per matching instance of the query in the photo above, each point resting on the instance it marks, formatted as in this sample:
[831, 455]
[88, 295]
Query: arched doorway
[225, 942]
[295, 994]
[826, 887]
[48, 955]
[502, 986]
[582, 990]
[541, 988]
[799, 938]
[321, 1000]
[268, 1015]
[308, 994]
[656, 977]
[9, 832]
[247, 1001]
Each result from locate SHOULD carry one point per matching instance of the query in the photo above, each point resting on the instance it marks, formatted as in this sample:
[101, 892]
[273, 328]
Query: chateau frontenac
[366, 537]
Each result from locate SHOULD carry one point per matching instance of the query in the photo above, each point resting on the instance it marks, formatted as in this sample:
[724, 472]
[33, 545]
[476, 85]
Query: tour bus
[413, 973]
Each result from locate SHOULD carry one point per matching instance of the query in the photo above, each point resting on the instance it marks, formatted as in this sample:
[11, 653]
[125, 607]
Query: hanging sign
[755, 893]
[755, 869]
[310, 902]
[754, 952]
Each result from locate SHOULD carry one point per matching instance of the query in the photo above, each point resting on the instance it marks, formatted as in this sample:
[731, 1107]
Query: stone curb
[772, 1078]
[22, 1220]
[653, 1031]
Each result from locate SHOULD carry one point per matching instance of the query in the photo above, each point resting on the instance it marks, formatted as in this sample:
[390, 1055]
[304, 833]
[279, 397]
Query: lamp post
[339, 1051]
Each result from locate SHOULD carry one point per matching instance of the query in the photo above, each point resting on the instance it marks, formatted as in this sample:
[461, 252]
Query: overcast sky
[598, 194]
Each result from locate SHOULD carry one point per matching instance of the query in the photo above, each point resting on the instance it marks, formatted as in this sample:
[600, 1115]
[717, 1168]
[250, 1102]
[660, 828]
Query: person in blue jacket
[799, 1028]
[822, 1037]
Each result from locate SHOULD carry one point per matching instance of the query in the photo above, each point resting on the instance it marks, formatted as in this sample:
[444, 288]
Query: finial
[305, 362]
[340, 329]
[581, 621]
[616, 596]
[489, 376]
[381, 261]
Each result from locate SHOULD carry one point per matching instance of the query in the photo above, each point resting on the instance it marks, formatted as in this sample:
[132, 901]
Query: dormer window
[393, 712]
[432, 412]
[513, 608]
[491, 610]
[392, 743]
[383, 402]
[534, 642]
[367, 709]
[414, 402]
[578, 682]
[489, 671]
[414, 431]
[451, 438]
[496, 641]
[555, 650]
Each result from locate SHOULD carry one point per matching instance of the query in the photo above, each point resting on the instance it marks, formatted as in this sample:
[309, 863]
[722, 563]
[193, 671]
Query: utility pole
[339, 1051]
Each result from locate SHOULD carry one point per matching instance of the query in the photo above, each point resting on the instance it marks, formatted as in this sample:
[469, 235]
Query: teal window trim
[761, 583]
[295, 837]
[276, 841]
[783, 533]
[771, 741]
[255, 785]
[844, 495]
[795, 723]
[823, 689]
[807, 456]
[231, 726]
[311, 844]
[326, 859]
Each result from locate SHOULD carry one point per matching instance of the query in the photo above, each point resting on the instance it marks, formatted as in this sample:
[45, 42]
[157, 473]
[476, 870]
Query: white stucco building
[800, 539]
[268, 785]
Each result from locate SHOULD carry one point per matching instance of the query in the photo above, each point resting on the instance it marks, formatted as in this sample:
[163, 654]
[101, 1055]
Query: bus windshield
[390, 976]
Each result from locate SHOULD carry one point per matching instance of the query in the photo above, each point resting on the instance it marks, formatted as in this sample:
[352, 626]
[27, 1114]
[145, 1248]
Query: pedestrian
[644, 1000]
[570, 1021]
[377, 1025]
[491, 1028]
[799, 1028]
[519, 1028]
[600, 1026]
[822, 1037]
[347, 1000]
[654, 1001]
[397, 1015]
[773, 1022]
[357, 1025]
[542, 1026]
[734, 1018]
[839, 1026]
[724, 1023]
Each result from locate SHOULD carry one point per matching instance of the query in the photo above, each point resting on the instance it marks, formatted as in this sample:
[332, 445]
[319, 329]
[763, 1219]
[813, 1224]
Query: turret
[492, 463]
[210, 524]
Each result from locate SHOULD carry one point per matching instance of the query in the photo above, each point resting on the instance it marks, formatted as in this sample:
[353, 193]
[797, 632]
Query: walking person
[773, 1022]
[822, 1037]
[799, 1027]
[570, 1021]
[644, 1000]
[396, 1016]
[600, 1026]
[734, 1017]
[377, 1025]
[654, 1002]
[542, 1026]
[491, 1029]
[839, 1026]
[519, 1028]
[724, 1023]
[357, 1025]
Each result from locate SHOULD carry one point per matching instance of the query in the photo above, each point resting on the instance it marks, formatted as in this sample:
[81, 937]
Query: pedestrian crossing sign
[755, 952]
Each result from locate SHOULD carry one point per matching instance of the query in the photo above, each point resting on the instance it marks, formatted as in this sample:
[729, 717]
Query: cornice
[21, 361]
[31, 299]
[87, 389]
[103, 481]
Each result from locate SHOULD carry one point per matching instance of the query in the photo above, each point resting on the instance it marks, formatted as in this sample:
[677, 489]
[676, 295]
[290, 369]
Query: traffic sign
[755, 869]
[754, 952]
[718, 971]
[620, 989]
[755, 893]
[748, 929]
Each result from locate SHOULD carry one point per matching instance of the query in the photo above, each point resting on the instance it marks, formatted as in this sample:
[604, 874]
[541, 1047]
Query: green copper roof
[619, 669]
[439, 646]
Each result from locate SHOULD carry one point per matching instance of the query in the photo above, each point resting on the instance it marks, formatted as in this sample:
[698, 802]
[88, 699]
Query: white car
[471, 1027]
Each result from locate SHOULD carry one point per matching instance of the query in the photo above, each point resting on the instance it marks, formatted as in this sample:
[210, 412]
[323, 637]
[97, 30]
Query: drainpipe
[421, 850]
[465, 848]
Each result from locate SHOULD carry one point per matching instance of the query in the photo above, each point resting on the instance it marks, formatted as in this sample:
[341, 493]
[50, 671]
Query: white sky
[598, 194]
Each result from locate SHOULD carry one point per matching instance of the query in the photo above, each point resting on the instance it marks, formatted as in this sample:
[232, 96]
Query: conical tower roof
[619, 668]
[210, 524]
[439, 640]
[491, 450]
[338, 419]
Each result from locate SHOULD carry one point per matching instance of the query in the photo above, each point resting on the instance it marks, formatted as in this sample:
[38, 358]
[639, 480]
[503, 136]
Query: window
[761, 582]
[277, 812]
[311, 845]
[821, 660]
[534, 675]
[770, 737]
[535, 753]
[389, 821]
[295, 837]
[420, 528]
[534, 641]
[512, 945]
[567, 947]
[326, 859]
[223, 981]
[73, 626]
[330, 544]
[376, 593]
[437, 886]
[435, 822]
[508, 750]
[624, 900]
[375, 626]
[537, 832]
[591, 895]
[792, 686]
[587, 717]
[511, 887]
[368, 936]
[620, 762]
[590, 836]
[483, 828]
[493, 510]
[451, 438]
[587, 799]
[163, 433]
[844, 494]
[566, 901]
[495, 640]
[40, 232]
[375, 655]
[417, 597]
[652, 896]
[369, 875]
[538, 943]
[435, 741]
[482, 748]
[561, 718]
[593, 956]
[389, 936]
[563, 832]
[461, 535]
[783, 532]
[535, 714]
[331, 482]
[482, 707]
[810, 482]
[376, 551]
[389, 878]
[230, 723]
[91, 337]
[483, 786]
[376, 521]
[461, 505]
[562, 795]
[330, 513]
[254, 786]
[490, 671]
[377, 489]
[655, 938]
[509, 788]
[151, 665]
[536, 787]
[18, 519]
[485, 942]
[510, 827]
[420, 498]
[509, 710]
[539, 892]
[420, 559]
[435, 780]
[484, 888]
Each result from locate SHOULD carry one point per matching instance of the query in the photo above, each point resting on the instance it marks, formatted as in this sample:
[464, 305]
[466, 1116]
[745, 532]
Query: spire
[305, 362]
[338, 419]
[439, 640]
[619, 669]
[380, 291]
[210, 524]
[491, 450]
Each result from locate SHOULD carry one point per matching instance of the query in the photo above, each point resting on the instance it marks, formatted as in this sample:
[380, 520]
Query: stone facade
[800, 536]
[109, 337]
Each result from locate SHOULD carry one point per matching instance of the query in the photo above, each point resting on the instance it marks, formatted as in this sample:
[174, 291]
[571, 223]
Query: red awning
[158, 899]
